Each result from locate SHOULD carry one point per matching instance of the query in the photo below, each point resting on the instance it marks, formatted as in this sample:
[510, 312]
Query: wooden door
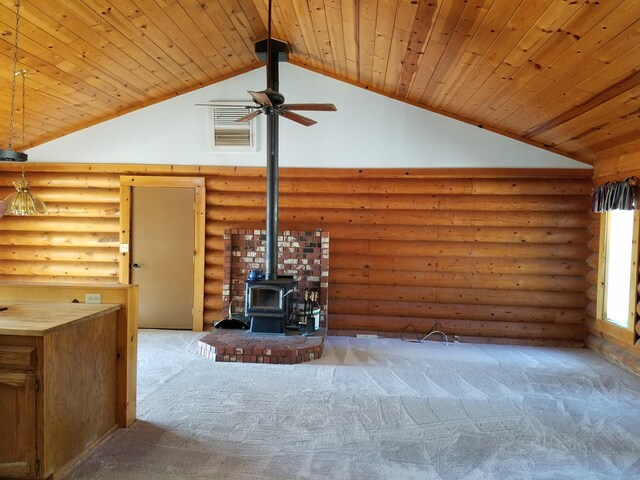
[18, 426]
[162, 255]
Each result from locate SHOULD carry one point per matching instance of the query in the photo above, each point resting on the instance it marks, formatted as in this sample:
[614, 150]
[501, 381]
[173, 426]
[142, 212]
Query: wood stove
[268, 303]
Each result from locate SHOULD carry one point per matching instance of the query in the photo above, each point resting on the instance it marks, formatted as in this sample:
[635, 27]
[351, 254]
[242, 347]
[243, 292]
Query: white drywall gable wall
[367, 131]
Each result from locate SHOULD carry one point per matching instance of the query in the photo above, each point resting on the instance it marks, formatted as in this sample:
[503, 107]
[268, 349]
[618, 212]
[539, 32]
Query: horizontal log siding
[77, 242]
[486, 257]
[606, 345]
[492, 254]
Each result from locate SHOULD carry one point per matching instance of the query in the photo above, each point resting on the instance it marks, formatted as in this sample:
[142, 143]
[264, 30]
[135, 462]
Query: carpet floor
[376, 409]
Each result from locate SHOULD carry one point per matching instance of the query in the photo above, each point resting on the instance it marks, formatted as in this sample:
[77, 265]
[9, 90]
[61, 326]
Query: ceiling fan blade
[248, 117]
[223, 105]
[307, 122]
[317, 107]
[260, 97]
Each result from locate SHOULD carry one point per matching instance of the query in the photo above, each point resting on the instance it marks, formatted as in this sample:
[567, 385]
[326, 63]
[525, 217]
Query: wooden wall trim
[175, 170]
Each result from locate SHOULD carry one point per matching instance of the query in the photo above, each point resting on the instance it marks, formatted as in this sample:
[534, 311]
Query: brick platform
[246, 347]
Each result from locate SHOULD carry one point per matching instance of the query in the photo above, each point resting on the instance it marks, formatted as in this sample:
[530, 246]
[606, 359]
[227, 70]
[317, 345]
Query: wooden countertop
[38, 319]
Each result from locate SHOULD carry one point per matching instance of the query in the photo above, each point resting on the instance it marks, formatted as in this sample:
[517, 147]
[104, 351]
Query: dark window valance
[615, 196]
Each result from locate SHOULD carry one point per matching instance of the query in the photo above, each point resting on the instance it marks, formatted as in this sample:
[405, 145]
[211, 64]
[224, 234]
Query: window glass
[618, 257]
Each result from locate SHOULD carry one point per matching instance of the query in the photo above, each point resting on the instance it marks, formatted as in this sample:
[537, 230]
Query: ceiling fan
[270, 101]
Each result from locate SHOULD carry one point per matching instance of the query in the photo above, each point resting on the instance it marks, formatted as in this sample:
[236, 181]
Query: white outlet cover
[93, 298]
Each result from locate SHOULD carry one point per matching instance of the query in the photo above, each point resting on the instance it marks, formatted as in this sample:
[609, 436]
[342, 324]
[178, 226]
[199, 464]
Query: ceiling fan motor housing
[276, 98]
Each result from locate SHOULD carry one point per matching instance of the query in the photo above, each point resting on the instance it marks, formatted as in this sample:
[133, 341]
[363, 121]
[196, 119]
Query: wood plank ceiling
[564, 74]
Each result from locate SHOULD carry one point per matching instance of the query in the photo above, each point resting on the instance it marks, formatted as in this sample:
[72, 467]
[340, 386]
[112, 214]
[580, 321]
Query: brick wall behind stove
[305, 255]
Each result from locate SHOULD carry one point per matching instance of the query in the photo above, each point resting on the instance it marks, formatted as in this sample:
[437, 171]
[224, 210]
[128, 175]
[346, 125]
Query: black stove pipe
[273, 82]
[272, 198]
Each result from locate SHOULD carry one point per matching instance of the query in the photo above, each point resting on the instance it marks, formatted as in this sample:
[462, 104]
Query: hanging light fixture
[11, 155]
[21, 202]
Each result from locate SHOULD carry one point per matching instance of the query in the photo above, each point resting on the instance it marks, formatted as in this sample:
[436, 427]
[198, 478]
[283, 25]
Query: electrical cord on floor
[434, 330]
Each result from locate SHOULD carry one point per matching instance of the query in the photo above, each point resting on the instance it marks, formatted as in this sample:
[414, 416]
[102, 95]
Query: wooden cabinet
[58, 384]
[18, 426]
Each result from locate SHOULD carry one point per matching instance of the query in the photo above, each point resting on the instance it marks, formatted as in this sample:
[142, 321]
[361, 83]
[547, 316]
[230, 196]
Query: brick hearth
[243, 346]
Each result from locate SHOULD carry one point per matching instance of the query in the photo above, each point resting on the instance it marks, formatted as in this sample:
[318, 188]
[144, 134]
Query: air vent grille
[227, 134]
[227, 116]
[232, 137]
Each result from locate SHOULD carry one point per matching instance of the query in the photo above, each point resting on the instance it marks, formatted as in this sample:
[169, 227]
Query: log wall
[495, 255]
[602, 341]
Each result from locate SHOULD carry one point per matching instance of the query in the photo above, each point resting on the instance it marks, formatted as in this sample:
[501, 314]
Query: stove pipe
[272, 198]
[273, 83]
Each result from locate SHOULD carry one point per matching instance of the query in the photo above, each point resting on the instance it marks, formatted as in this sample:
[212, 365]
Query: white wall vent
[226, 134]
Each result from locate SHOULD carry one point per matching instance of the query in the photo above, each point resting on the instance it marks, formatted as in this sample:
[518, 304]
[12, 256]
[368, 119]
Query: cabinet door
[17, 425]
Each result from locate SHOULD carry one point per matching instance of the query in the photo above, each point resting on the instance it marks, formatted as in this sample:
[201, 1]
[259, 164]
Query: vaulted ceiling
[562, 74]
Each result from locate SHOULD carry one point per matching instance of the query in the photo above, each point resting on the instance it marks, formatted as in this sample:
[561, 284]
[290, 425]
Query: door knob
[135, 265]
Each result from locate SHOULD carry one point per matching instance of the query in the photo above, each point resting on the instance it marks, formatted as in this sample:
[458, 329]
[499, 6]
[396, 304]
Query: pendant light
[11, 155]
[23, 202]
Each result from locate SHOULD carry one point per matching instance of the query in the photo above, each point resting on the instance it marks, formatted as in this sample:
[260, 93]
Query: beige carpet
[376, 409]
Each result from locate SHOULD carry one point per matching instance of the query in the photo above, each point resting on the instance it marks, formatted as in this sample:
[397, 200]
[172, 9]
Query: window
[618, 268]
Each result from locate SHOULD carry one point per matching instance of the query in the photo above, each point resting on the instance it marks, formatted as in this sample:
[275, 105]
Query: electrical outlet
[93, 298]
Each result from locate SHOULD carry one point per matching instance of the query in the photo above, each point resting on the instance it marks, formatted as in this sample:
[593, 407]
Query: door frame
[198, 185]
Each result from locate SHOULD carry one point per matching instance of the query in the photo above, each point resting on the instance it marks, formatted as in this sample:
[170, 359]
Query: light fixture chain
[24, 108]
[15, 71]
